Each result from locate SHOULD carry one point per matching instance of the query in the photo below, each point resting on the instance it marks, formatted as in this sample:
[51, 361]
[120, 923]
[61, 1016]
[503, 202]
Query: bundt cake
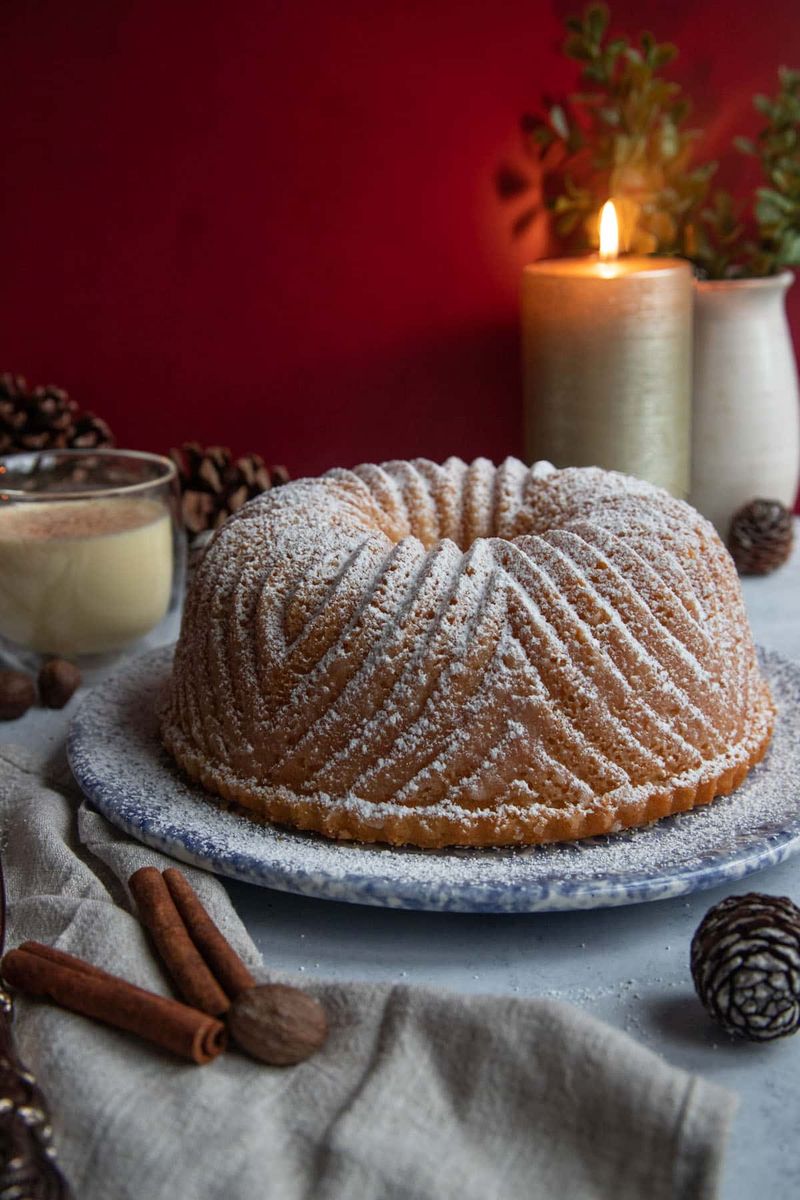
[466, 655]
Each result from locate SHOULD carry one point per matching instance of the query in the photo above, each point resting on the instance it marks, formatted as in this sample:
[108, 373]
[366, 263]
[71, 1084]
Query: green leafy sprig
[777, 203]
[623, 135]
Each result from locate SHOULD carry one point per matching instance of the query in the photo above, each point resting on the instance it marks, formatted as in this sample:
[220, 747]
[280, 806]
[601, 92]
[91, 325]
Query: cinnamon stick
[276, 1024]
[232, 974]
[181, 957]
[83, 988]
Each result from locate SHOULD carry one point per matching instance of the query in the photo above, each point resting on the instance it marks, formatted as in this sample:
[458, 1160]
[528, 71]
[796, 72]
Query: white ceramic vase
[745, 416]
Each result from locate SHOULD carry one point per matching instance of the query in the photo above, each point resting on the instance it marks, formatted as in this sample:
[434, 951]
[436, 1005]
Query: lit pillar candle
[607, 347]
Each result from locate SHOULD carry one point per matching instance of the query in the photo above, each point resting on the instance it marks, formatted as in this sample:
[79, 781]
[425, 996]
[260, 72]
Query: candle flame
[609, 232]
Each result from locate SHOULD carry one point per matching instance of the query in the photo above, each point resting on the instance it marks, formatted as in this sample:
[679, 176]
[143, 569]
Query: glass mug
[92, 554]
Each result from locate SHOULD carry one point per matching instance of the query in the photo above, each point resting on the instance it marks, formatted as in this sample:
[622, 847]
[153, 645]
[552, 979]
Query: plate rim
[373, 889]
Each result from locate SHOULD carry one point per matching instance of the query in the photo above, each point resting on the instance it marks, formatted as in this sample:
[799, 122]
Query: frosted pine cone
[761, 537]
[745, 963]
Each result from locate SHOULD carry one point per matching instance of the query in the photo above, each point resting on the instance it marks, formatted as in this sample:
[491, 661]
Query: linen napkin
[418, 1094]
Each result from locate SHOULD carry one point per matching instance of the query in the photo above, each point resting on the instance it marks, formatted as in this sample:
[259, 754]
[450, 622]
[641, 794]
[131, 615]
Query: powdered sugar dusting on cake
[466, 653]
[117, 758]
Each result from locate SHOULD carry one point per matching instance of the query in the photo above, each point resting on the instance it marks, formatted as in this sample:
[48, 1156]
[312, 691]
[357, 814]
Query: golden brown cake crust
[466, 655]
[504, 825]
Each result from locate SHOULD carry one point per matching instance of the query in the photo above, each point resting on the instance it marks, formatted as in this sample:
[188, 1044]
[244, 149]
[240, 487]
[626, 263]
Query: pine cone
[214, 485]
[761, 536]
[45, 419]
[745, 963]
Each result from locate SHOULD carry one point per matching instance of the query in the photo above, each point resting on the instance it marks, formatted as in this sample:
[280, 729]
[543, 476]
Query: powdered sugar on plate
[118, 760]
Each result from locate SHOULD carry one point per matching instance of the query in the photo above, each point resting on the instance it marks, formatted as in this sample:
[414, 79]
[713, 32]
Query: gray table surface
[628, 966]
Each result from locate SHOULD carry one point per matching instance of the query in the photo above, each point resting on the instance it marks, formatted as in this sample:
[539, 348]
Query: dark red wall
[273, 224]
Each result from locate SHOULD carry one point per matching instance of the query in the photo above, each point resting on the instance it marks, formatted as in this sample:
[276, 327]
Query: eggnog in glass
[91, 552]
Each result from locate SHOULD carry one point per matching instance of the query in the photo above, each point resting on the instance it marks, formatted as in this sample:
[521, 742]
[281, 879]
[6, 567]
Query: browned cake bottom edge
[500, 824]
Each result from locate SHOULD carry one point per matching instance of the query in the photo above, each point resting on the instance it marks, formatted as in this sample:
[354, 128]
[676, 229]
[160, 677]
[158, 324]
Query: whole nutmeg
[17, 694]
[278, 1025]
[58, 682]
[745, 962]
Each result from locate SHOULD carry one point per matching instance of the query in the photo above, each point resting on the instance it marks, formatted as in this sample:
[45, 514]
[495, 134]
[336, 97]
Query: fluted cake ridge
[466, 654]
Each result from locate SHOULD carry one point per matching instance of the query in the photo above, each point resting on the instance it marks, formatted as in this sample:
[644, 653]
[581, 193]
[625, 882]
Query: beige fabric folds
[418, 1095]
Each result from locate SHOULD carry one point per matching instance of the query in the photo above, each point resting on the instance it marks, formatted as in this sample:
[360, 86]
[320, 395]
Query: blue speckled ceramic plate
[118, 760]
